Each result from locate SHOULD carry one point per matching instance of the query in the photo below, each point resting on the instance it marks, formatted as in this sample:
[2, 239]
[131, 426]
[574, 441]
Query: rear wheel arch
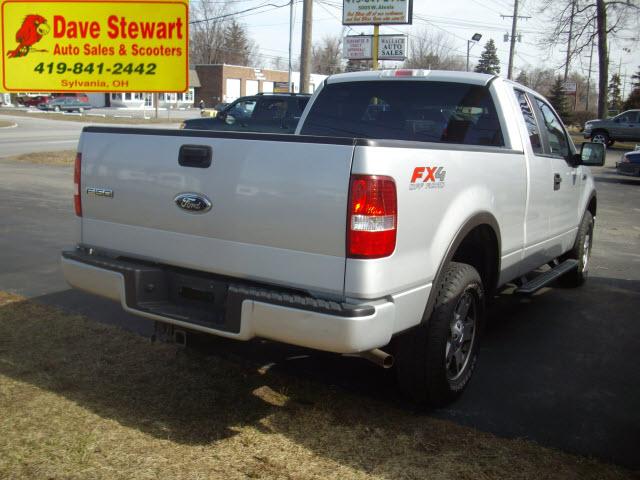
[476, 243]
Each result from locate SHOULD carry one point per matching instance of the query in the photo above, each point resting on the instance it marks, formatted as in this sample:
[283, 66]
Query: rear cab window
[424, 111]
[530, 121]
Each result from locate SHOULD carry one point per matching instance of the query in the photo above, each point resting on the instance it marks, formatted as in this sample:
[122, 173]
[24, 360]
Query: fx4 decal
[427, 177]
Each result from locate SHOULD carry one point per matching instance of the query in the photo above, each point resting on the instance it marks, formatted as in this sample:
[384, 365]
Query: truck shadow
[539, 356]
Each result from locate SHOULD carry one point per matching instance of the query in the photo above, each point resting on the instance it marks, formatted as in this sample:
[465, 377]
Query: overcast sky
[458, 20]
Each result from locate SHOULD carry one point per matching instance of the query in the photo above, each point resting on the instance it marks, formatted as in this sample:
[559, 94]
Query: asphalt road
[43, 135]
[559, 368]
[37, 135]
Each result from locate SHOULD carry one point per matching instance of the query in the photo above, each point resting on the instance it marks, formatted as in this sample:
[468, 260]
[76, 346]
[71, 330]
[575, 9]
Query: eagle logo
[31, 32]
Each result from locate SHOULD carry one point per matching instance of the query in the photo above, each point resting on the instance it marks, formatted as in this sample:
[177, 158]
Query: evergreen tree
[615, 95]
[522, 78]
[558, 99]
[489, 61]
[633, 101]
[635, 78]
[238, 49]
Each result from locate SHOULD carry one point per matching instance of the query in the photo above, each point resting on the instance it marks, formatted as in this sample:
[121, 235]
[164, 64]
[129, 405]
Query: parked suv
[265, 113]
[623, 127]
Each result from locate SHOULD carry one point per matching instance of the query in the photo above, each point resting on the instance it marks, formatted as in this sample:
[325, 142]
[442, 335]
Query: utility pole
[514, 25]
[566, 64]
[589, 77]
[290, 44]
[305, 52]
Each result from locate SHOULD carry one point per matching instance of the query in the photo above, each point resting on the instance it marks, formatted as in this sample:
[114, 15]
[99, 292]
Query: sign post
[376, 46]
[95, 46]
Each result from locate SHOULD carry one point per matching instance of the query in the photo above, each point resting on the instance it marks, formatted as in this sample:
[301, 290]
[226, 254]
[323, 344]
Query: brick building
[225, 83]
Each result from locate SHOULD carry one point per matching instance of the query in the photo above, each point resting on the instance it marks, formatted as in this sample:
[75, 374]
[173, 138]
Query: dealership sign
[376, 12]
[390, 47]
[95, 46]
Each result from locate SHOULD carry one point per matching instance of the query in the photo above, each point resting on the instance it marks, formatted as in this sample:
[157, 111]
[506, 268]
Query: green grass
[81, 400]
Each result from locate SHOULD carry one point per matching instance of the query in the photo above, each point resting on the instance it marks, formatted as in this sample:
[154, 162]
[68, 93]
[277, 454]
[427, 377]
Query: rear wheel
[56, 108]
[581, 252]
[600, 137]
[435, 361]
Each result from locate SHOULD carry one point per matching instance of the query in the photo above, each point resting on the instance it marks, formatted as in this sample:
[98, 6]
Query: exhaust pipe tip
[377, 356]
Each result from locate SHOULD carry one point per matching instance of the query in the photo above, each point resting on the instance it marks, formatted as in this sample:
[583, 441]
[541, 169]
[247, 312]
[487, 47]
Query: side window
[558, 144]
[242, 109]
[530, 121]
[270, 110]
[630, 117]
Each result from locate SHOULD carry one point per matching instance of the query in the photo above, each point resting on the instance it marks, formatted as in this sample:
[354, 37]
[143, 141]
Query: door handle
[196, 156]
[557, 180]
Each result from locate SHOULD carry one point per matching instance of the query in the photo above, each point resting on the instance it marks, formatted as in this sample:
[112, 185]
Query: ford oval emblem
[193, 202]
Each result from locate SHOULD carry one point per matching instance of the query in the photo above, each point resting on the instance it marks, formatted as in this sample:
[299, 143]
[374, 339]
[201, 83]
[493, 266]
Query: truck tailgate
[278, 203]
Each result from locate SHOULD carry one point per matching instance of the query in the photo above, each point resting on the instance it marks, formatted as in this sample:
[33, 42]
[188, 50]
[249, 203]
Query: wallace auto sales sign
[95, 46]
[376, 12]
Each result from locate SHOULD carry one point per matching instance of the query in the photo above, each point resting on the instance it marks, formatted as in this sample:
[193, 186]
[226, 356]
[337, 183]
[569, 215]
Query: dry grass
[80, 400]
[93, 119]
[4, 124]
[63, 157]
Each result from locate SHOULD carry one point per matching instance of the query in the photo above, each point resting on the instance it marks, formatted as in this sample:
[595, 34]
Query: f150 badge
[427, 177]
[193, 202]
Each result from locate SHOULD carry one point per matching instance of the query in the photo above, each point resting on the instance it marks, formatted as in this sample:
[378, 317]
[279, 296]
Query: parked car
[65, 104]
[83, 97]
[368, 228]
[28, 101]
[629, 163]
[624, 127]
[265, 113]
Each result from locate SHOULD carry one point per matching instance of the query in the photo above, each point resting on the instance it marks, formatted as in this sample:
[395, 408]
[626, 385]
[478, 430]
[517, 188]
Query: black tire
[582, 245]
[600, 136]
[424, 369]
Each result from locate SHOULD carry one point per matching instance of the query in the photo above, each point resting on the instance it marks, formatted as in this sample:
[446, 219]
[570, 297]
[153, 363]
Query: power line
[219, 17]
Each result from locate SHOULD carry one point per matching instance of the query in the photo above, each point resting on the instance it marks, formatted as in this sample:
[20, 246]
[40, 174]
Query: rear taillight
[373, 217]
[77, 198]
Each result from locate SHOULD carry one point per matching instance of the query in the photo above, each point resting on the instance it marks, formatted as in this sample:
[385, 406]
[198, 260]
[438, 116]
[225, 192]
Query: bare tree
[279, 63]
[206, 31]
[216, 37]
[327, 56]
[589, 21]
[432, 51]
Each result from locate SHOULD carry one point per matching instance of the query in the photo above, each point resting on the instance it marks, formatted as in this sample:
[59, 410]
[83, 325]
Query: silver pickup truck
[381, 228]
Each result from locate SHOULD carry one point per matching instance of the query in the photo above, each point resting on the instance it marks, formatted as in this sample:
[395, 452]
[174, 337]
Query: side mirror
[229, 119]
[592, 154]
